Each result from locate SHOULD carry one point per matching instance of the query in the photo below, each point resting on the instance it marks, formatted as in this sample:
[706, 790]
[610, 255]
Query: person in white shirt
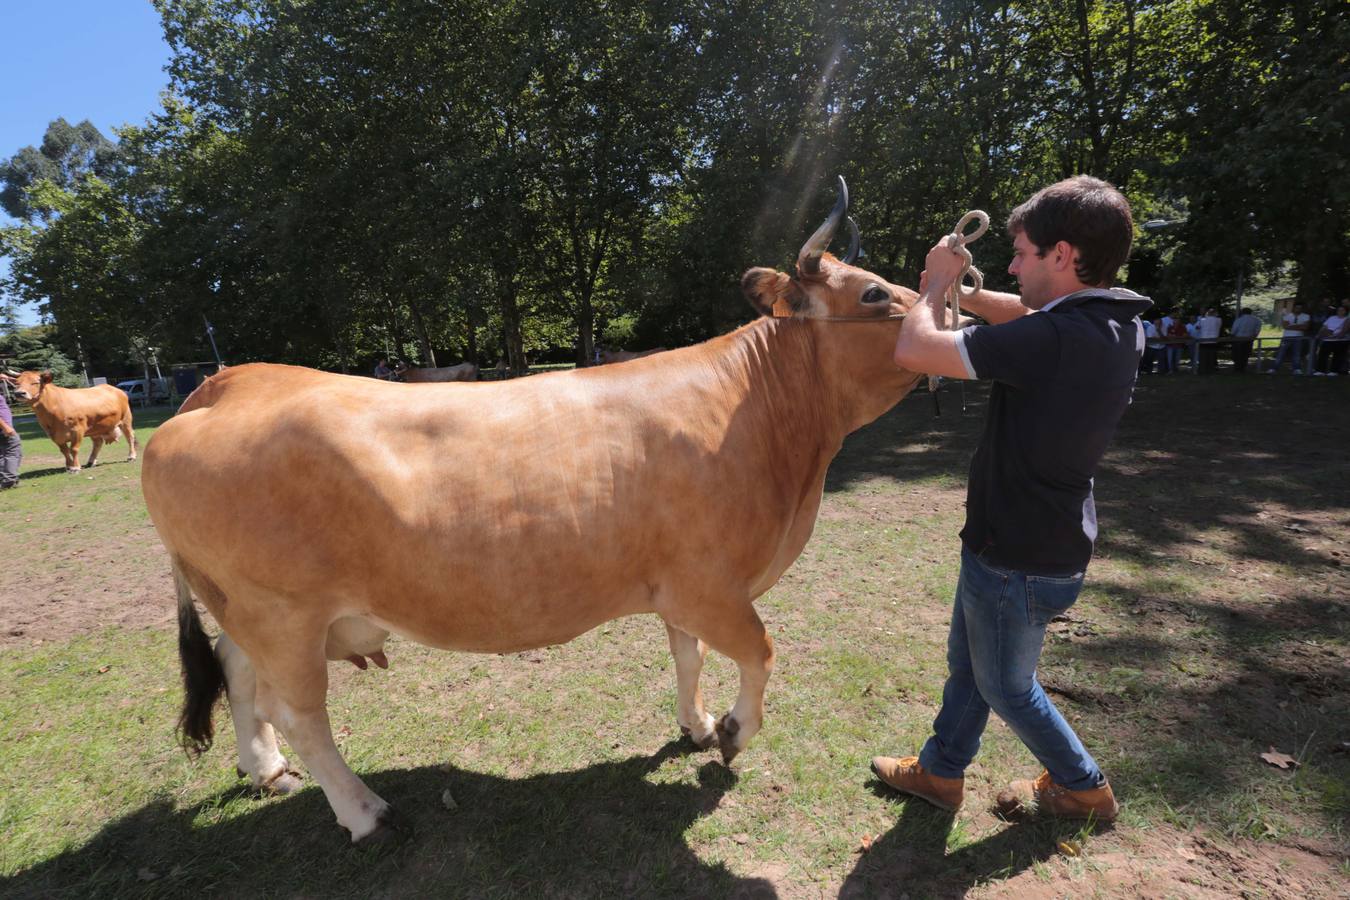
[1332, 342]
[1246, 327]
[1152, 347]
[1296, 323]
[1207, 331]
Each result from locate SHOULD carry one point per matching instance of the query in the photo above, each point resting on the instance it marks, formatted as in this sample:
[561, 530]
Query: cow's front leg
[260, 760]
[71, 452]
[93, 454]
[739, 634]
[694, 720]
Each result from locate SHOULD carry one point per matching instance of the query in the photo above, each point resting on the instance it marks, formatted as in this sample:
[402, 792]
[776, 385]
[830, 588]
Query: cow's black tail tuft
[203, 677]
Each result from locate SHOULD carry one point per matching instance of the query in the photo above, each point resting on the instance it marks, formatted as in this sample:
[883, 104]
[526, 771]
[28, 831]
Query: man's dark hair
[1246, 310]
[1083, 211]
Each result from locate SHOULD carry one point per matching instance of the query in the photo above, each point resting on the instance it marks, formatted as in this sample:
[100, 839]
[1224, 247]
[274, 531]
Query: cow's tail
[203, 677]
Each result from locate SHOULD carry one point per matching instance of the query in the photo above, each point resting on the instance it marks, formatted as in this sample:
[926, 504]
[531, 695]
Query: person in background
[11, 447]
[1207, 332]
[1152, 347]
[1296, 324]
[382, 370]
[1332, 341]
[1246, 327]
[1176, 335]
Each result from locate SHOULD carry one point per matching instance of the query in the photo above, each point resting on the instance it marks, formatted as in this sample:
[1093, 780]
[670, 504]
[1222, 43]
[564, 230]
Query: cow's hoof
[390, 828]
[74, 470]
[727, 727]
[709, 740]
[287, 782]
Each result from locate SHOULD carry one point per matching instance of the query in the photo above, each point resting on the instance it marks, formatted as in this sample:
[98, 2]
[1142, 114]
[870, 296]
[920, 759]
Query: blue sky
[101, 60]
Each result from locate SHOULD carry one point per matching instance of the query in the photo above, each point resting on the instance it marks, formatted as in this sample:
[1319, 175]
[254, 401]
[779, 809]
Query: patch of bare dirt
[1164, 863]
[115, 581]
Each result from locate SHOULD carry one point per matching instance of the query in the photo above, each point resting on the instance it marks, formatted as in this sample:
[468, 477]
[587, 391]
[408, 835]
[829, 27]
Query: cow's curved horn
[808, 260]
[854, 242]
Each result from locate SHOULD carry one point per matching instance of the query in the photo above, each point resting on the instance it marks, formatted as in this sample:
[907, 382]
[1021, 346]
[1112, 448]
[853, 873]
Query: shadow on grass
[1208, 685]
[1190, 453]
[603, 831]
[32, 474]
[912, 859]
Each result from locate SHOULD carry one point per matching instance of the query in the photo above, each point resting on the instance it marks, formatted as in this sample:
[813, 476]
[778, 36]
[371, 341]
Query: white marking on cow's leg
[93, 454]
[259, 757]
[694, 720]
[292, 688]
[741, 636]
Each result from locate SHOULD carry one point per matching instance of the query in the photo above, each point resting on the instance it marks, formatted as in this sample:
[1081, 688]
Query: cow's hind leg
[93, 454]
[739, 634]
[292, 686]
[689, 653]
[260, 760]
[126, 429]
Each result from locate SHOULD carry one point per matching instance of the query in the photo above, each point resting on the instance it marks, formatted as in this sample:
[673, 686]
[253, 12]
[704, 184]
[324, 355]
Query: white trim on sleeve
[965, 356]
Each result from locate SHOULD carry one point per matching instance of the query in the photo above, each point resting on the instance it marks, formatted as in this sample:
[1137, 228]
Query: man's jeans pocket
[1048, 596]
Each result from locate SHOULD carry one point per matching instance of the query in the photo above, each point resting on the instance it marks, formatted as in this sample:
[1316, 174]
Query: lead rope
[956, 242]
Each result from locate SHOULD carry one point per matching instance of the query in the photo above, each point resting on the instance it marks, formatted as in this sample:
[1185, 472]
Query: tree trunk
[511, 335]
[585, 335]
[471, 337]
[423, 339]
[395, 332]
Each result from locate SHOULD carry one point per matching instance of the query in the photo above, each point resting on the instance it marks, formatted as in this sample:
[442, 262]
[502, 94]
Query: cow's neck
[858, 360]
[858, 379]
[47, 397]
[824, 379]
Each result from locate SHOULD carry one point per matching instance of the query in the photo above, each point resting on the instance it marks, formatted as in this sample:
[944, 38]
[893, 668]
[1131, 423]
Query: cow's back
[412, 502]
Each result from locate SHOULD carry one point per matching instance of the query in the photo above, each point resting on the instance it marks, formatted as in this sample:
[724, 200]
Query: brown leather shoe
[1056, 800]
[907, 776]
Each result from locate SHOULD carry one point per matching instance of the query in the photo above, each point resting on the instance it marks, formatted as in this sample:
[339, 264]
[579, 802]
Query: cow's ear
[46, 377]
[771, 292]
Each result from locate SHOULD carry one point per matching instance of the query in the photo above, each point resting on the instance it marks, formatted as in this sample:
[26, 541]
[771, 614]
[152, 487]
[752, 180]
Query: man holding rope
[1063, 357]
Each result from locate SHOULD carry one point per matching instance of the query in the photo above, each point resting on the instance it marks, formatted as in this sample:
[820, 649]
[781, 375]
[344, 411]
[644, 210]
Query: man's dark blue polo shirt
[1062, 379]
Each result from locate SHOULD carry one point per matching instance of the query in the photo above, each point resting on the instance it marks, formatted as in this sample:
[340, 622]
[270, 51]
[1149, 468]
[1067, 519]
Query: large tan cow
[69, 415]
[314, 514]
[465, 371]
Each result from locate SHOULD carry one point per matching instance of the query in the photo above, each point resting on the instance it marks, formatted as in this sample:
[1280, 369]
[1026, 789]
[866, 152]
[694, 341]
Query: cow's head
[28, 385]
[825, 287]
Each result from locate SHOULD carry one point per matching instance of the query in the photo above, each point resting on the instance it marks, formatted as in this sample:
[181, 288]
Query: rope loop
[956, 242]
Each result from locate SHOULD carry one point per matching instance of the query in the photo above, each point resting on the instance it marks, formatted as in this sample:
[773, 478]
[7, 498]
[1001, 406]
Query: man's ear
[772, 293]
[1066, 256]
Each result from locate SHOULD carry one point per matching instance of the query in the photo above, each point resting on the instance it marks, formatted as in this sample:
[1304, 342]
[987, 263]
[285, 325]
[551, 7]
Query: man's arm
[925, 345]
[995, 307]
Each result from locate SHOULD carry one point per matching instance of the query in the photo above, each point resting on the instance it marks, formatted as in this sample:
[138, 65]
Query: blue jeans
[998, 627]
[1289, 345]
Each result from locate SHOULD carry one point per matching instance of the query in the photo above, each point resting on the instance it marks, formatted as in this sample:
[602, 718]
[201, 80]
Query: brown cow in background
[465, 371]
[69, 415]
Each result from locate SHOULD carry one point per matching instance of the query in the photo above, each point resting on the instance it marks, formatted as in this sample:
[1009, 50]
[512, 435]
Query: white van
[135, 389]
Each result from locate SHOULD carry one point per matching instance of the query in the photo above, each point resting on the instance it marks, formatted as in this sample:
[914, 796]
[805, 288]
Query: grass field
[1215, 626]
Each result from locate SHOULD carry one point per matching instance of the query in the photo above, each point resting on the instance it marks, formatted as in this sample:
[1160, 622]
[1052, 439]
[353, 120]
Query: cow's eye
[876, 294]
